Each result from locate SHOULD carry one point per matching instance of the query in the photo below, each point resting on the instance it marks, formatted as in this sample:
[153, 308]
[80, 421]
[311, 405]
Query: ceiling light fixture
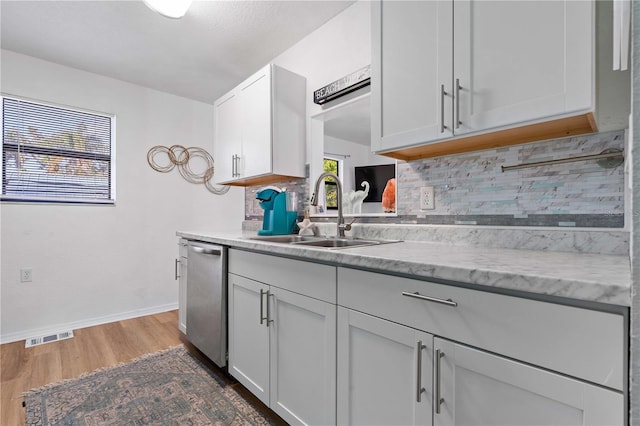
[170, 8]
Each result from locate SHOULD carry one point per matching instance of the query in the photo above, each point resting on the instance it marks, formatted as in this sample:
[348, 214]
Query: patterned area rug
[166, 388]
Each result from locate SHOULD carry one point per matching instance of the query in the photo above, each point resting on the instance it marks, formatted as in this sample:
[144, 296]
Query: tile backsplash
[252, 209]
[471, 188]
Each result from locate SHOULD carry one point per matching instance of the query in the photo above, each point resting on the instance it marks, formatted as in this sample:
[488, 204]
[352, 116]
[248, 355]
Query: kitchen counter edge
[583, 277]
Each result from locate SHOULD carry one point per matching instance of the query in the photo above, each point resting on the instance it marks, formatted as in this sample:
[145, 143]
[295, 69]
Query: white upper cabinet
[444, 69]
[411, 62]
[517, 61]
[228, 142]
[260, 129]
[255, 98]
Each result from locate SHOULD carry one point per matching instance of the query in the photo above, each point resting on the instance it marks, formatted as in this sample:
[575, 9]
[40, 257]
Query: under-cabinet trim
[552, 129]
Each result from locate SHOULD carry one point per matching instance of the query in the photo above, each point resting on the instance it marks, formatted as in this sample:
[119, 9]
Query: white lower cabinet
[382, 364]
[527, 369]
[384, 372]
[282, 344]
[248, 335]
[302, 359]
[181, 275]
[324, 346]
[479, 388]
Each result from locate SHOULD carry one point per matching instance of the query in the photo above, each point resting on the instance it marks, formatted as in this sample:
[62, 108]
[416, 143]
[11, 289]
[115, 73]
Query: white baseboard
[24, 334]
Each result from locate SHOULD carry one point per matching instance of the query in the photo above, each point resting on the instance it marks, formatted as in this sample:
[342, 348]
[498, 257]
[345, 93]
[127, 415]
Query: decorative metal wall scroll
[179, 157]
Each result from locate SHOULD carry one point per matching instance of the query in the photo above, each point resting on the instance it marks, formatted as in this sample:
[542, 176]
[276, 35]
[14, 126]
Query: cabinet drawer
[575, 341]
[309, 279]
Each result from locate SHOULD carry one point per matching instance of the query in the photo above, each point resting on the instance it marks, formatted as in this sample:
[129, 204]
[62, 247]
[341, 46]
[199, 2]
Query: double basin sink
[322, 242]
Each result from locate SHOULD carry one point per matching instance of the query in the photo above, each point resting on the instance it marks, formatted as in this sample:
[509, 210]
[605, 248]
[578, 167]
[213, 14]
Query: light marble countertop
[589, 277]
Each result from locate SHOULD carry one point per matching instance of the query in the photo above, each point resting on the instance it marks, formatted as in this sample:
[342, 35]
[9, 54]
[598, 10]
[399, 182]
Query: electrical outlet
[26, 275]
[427, 201]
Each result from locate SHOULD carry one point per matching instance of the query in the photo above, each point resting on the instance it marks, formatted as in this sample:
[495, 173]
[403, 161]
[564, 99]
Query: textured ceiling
[201, 56]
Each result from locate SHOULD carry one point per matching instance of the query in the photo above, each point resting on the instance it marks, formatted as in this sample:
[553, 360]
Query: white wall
[95, 264]
[338, 48]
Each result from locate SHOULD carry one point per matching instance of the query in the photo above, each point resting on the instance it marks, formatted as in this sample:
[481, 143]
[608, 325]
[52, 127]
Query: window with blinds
[330, 187]
[54, 154]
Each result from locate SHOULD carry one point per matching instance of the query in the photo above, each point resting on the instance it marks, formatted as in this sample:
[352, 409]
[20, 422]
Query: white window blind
[55, 154]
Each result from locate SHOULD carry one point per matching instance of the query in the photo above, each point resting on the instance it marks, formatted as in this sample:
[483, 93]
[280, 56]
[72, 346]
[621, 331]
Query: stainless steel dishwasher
[207, 300]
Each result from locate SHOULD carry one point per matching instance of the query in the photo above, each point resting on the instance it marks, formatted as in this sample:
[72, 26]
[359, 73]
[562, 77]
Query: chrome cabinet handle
[262, 318]
[417, 295]
[206, 251]
[234, 165]
[438, 397]
[458, 87]
[419, 389]
[269, 320]
[176, 269]
[442, 94]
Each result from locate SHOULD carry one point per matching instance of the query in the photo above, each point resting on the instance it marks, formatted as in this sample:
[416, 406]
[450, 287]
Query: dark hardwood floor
[91, 348]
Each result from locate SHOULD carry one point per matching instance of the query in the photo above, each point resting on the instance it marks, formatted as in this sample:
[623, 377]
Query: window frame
[330, 185]
[4, 198]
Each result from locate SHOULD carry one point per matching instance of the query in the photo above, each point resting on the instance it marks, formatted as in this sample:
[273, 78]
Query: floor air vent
[41, 340]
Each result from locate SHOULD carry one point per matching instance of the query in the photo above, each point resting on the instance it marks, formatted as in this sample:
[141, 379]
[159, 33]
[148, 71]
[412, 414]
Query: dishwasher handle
[213, 252]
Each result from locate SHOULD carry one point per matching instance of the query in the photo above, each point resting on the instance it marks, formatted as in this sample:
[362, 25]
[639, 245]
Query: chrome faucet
[341, 227]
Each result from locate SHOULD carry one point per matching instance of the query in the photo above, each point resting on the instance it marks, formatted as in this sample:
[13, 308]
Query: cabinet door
[255, 94]
[479, 388]
[228, 137]
[303, 359]
[182, 296]
[182, 285]
[381, 366]
[248, 338]
[411, 64]
[518, 61]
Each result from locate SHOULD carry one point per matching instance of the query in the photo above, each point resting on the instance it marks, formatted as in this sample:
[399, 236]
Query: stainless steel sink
[320, 242]
[338, 243]
[287, 239]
